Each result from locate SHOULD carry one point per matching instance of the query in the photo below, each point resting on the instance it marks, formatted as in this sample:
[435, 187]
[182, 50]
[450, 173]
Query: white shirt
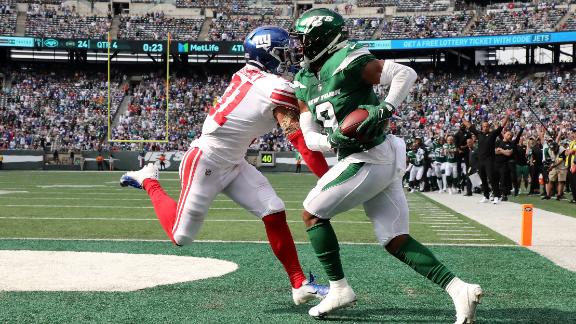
[243, 113]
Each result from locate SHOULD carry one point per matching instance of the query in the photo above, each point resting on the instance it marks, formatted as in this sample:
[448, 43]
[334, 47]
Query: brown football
[351, 122]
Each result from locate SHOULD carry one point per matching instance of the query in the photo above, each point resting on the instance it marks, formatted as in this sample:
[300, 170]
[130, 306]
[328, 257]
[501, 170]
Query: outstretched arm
[288, 120]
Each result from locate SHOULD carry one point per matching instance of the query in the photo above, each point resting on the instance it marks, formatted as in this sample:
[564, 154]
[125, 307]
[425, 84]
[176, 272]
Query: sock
[445, 182]
[325, 245]
[164, 205]
[419, 258]
[283, 246]
[439, 181]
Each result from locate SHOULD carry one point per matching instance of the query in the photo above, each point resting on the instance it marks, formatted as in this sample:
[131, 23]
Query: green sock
[419, 258]
[325, 245]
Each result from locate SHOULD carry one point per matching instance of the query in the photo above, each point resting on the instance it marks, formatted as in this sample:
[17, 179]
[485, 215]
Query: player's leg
[419, 177]
[388, 212]
[412, 179]
[438, 171]
[345, 186]
[251, 190]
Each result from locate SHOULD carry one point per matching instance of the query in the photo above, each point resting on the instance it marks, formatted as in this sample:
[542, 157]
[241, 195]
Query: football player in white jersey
[256, 101]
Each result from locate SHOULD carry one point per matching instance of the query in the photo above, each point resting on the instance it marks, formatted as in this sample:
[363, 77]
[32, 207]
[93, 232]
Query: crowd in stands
[525, 20]
[362, 28]
[7, 19]
[68, 109]
[225, 28]
[233, 18]
[425, 26]
[64, 22]
[157, 25]
[537, 110]
[422, 5]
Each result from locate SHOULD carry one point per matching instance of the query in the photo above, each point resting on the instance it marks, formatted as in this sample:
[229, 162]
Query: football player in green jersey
[337, 78]
[450, 168]
[435, 171]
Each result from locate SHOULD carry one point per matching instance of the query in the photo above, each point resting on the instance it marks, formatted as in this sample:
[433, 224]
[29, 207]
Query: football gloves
[377, 117]
[338, 140]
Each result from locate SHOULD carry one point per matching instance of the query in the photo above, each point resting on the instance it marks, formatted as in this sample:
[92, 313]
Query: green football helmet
[321, 32]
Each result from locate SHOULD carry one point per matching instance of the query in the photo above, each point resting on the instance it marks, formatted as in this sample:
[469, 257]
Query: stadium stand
[426, 26]
[376, 3]
[40, 110]
[46, 21]
[237, 27]
[526, 20]
[7, 19]
[422, 5]
[569, 24]
[157, 26]
[362, 28]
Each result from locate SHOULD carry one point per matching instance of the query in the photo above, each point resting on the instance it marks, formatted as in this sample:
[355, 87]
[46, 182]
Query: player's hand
[338, 140]
[377, 116]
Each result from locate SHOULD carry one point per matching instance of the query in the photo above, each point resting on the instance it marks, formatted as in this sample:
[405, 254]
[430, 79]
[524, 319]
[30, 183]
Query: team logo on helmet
[314, 21]
[262, 41]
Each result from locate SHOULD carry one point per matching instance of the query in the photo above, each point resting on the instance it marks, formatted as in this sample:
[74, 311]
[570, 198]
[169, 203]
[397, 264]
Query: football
[350, 124]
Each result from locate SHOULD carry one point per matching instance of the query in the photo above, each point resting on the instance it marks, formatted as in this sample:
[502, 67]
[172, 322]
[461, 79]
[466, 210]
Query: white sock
[338, 284]
[454, 286]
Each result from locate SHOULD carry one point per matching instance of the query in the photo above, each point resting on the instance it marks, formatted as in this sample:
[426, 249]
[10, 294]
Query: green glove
[338, 140]
[377, 117]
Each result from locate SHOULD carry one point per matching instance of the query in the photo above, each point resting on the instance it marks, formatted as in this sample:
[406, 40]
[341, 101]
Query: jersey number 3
[233, 95]
[325, 114]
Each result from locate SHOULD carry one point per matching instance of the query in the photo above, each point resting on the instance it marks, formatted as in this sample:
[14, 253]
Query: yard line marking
[113, 199]
[458, 227]
[232, 242]
[155, 219]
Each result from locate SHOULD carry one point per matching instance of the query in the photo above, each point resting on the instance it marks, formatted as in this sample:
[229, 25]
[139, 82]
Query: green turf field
[520, 286]
[561, 207]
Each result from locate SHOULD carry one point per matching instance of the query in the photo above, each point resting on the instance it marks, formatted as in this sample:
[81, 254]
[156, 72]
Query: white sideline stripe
[155, 219]
[455, 230]
[463, 234]
[467, 239]
[458, 227]
[221, 241]
[137, 207]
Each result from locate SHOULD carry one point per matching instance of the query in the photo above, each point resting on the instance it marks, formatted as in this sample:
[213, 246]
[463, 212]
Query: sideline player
[336, 78]
[256, 100]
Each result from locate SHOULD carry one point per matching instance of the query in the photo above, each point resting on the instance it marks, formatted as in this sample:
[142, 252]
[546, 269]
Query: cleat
[484, 200]
[339, 296]
[308, 291]
[496, 200]
[136, 178]
[466, 298]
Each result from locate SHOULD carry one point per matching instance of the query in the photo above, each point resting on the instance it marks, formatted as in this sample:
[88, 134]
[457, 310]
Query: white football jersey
[243, 113]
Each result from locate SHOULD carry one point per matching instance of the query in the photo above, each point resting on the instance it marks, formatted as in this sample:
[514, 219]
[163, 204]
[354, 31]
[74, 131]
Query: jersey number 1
[233, 95]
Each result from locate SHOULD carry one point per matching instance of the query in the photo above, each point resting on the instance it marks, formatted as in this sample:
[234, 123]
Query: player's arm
[399, 77]
[288, 120]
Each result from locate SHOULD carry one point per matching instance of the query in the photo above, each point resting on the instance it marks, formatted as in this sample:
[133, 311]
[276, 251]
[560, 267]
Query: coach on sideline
[486, 152]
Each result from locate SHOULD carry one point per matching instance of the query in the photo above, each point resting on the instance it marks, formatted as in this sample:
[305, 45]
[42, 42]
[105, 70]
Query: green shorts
[522, 171]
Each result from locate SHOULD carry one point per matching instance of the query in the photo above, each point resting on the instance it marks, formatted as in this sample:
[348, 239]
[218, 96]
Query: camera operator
[535, 165]
[554, 163]
[486, 153]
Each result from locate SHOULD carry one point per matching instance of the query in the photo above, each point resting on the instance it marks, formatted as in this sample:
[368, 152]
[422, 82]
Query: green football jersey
[450, 151]
[411, 157]
[439, 153]
[337, 90]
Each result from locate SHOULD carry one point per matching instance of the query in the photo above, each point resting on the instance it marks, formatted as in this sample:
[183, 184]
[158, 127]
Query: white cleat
[340, 295]
[308, 291]
[136, 178]
[466, 298]
[496, 200]
[484, 200]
